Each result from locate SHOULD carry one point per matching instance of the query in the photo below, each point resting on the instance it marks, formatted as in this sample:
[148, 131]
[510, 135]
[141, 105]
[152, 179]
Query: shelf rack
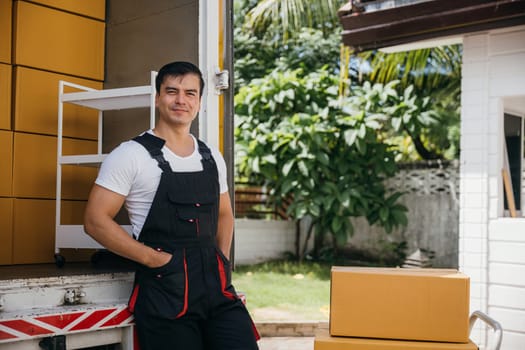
[74, 236]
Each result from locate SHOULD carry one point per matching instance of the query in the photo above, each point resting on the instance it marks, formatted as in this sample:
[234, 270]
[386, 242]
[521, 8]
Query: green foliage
[296, 136]
[406, 113]
[435, 73]
[309, 50]
[330, 155]
[283, 18]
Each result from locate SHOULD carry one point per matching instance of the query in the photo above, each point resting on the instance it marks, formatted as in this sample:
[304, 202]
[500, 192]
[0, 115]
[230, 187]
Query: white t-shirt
[130, 170]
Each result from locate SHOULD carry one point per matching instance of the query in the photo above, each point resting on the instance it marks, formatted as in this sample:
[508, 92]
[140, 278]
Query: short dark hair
[176, 69]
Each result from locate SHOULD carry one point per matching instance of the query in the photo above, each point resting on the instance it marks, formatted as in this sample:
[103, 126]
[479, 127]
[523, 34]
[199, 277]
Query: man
[175, 191]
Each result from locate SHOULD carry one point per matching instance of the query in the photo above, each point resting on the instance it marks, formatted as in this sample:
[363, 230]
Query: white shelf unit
[74, 236]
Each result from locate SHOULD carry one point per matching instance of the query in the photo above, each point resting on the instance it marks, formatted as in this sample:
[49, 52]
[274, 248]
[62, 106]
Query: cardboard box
[6, 230]
[72, 213]
[41, 115]
[5, 30]
[58, 41]
[323, 341]
[6, 163]
[33, 231]
[76, 180]
[34, 166]
[5, 96]
[91, 8]
[405, 304]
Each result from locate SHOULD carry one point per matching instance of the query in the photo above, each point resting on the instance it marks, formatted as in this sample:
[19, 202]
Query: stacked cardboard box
[42, 42]
[390, 309]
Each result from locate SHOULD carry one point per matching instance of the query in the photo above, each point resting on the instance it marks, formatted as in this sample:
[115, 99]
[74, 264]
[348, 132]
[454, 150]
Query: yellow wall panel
[41, 115]
[5, 30]
[34, 166]
[6, 163]
[6, 230]
[33, 231]
[58, 41]
[91, 8]
[5, 96]
[78, 180]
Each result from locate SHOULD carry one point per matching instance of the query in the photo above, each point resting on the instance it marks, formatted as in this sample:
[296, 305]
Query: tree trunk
[421, 149]
[308, 235]
[318, 244]
[298, 254]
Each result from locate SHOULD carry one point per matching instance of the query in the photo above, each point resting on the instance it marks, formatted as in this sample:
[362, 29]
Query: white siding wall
[261, 240]
[493, 256]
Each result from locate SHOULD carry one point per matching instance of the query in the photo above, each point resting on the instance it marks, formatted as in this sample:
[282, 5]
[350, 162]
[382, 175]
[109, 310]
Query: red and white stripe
[46, 325]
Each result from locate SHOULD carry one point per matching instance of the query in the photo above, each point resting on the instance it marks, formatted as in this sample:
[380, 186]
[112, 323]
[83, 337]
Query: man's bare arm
[225, 224]
[99, 223]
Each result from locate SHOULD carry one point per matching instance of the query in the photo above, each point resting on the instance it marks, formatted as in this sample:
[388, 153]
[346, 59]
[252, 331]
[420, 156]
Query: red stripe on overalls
[133, 299]
[222, 276]
[185, 307]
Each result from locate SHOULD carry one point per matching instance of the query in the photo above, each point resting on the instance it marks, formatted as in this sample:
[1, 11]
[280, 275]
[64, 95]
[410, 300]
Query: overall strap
[204, 151]
[154, 146]
[207, 159]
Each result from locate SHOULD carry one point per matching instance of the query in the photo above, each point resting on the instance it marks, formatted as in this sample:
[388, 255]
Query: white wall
[489, 252]
[261, 240]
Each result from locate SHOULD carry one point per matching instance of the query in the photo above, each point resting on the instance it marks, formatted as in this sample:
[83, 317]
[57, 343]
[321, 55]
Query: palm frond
[288, 16]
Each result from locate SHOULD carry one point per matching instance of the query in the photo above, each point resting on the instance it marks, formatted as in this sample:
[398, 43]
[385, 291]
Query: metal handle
[495, 325]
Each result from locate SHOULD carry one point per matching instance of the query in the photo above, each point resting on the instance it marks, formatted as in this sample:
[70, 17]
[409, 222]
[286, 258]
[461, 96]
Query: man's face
[179, 99]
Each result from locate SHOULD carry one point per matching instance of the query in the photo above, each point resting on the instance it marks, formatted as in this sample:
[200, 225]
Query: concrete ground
[283, 335]
[286, 343]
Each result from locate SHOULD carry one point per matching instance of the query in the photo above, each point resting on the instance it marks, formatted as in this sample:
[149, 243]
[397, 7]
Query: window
[512, 159]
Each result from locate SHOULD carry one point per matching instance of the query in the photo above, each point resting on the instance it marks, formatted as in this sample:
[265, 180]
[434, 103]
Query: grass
[285, 291]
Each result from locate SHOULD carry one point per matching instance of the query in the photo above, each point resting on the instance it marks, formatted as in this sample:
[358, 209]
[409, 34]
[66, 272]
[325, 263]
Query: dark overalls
[189, 303]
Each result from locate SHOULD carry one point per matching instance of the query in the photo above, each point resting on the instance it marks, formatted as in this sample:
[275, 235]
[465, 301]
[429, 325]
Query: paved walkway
[285, 335]
[286, 343]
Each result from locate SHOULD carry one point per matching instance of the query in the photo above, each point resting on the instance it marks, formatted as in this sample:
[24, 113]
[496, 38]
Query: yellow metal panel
[58, 41]
[34, 166]
[41, 115]
[33, 231]
[77, 180]
[6, 163]
[5, 96]
[6, 230]
[323, 341]
[91, 8]
[5, 30]
[407, 304]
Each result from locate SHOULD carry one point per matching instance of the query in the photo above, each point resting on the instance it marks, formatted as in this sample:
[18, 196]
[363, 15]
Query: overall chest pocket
[193, 218]
[163, 291]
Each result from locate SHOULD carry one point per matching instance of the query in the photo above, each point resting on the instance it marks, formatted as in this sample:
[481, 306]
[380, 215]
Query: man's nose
[179, 98]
